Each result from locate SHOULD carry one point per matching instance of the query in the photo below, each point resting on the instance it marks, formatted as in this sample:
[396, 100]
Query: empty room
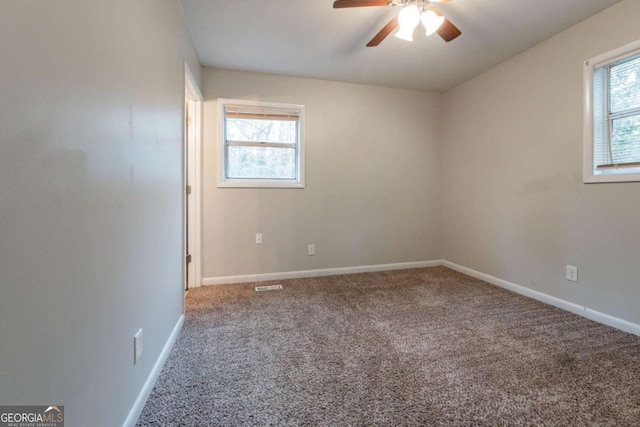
[319, 213]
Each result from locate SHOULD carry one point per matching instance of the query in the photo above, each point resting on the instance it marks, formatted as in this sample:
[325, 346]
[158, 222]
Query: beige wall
[373, 187]
[515, 206]
[91, 105]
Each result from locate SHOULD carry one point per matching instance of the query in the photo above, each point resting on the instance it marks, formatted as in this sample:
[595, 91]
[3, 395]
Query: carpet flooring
[420, 347]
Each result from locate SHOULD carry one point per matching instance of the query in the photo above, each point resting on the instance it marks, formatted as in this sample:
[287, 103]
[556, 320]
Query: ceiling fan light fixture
[408, 20]
[409, 17]
[431, 21]
[411, 13]
[405, 34]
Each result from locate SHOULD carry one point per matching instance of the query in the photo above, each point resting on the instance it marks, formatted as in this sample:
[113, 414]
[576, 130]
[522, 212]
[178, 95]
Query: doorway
[192, 166]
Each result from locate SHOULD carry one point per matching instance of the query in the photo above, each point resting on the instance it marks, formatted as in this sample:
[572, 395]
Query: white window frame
[223, 181]
[589, 171]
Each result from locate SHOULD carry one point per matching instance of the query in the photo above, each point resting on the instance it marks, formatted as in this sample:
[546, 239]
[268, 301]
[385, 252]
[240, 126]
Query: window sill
[260, 184]
[611, 177]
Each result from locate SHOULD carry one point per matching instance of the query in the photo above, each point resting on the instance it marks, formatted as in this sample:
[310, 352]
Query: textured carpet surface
[421, 347]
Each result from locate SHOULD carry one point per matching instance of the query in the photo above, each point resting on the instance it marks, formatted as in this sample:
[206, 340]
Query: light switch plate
[137, 346]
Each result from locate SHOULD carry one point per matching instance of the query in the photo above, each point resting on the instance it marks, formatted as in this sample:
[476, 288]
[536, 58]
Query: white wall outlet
[259, 238]
[137, 346]
[311, 250]
[572, 273]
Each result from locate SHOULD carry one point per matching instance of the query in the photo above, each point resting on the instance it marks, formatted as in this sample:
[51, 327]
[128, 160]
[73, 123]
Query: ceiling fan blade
[447, 30]
[339, 4]
[383, 33]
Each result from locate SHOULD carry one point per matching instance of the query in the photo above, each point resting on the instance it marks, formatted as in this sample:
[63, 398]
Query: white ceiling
[309, 38]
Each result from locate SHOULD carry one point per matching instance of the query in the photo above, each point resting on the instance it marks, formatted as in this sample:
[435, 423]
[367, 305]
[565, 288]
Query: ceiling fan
[413, 11]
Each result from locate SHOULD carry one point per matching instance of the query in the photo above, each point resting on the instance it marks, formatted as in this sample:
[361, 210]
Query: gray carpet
[422, 347]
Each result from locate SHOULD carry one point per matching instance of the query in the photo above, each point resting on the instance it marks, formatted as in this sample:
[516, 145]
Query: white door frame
[193, 167]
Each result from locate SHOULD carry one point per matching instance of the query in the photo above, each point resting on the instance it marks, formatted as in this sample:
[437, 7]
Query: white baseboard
[136, 410]
[587, 312]
[317, 273]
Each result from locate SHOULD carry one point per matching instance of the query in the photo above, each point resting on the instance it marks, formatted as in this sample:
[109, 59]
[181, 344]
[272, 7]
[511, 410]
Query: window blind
[616, 111]
[260, 113]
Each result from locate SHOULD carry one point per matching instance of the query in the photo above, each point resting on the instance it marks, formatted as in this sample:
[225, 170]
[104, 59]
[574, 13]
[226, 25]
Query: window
[612, 116]
[260, 144]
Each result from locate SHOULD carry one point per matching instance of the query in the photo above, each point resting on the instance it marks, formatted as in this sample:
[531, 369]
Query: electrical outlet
[137, 346]
[259, 238]
[572, 273]
[311, 250]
